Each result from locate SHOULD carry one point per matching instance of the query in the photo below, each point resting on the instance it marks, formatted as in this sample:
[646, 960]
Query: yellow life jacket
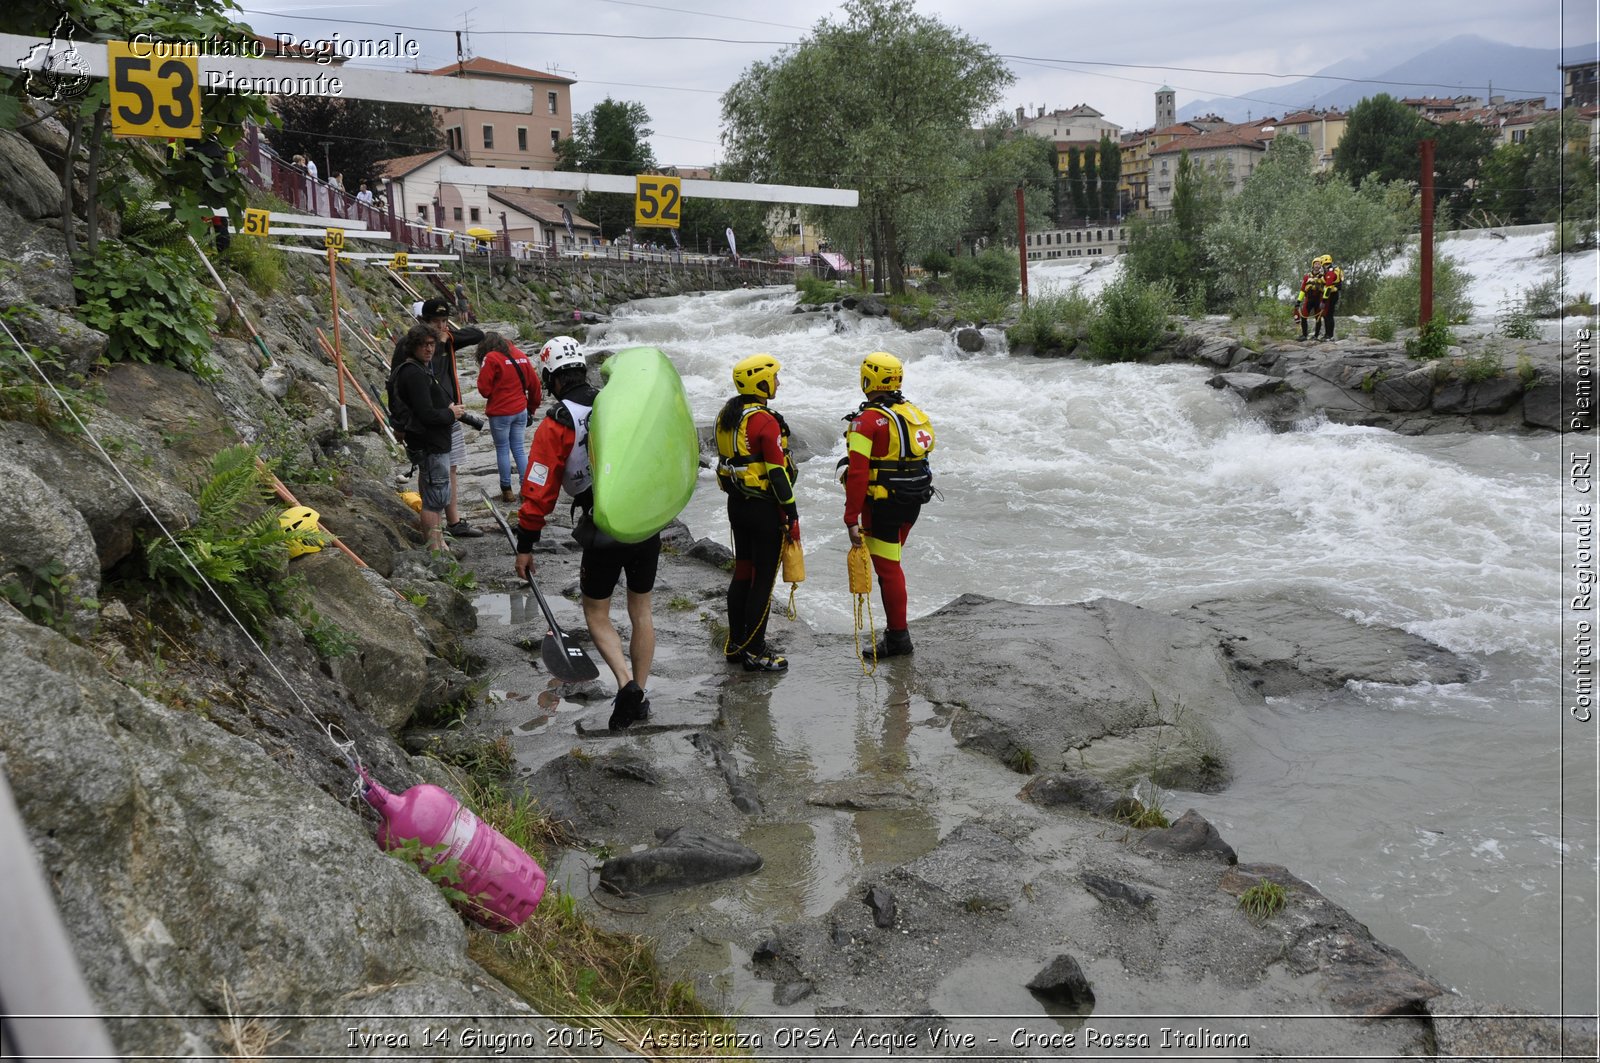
[903, 474]
[737, 467]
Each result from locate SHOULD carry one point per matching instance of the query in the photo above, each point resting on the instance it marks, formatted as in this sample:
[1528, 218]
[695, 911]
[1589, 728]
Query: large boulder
[185, 859]
[26, 183]
[50, 553]
[172, 409]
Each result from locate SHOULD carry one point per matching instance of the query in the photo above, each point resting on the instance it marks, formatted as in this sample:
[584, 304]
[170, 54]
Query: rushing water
[1432, 813]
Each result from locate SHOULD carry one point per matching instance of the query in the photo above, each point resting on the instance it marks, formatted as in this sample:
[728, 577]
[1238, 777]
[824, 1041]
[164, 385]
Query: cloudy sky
[678, 56]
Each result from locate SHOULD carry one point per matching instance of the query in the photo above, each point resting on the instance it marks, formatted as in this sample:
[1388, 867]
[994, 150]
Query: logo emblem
[924, 440]
[56, 71]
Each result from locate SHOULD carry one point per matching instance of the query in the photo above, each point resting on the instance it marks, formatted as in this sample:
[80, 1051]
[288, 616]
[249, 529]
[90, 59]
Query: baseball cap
[431, 308]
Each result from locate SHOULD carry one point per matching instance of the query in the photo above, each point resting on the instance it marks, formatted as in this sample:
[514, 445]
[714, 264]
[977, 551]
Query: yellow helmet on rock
[881, 371]
[302, 519]
[757, 375]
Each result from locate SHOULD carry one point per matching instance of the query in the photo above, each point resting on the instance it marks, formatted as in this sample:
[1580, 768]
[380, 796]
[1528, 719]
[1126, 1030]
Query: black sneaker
[625, 707]
[462, 530]
[765, 661]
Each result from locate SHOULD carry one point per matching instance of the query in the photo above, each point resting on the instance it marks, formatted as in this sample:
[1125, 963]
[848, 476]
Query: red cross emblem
[924, 439]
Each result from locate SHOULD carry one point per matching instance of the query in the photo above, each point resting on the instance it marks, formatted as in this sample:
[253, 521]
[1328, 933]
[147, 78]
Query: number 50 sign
[153, 95]
[657, 201]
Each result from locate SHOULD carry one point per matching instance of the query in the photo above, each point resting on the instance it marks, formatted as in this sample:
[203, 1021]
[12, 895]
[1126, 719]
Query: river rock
[1063, 982]
[881, 902]
[1051, 681]
[1248, 386]
[685, 857]
[1071, 789]
[56, 559]
[1468, 1029]
[26, 184]
[969, 339]
[1495, 395]
[1281, 645]
[1190, 835]
[1115, 892]
[975, 867]
[1403, 390]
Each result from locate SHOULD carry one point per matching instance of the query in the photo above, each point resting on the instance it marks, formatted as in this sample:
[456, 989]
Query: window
[474, 213]
[456, 213]
[550, 97]
[454, 138]
[555, 139]
[488, 136]
[1304, 129]
[422, 210]
[522, 138]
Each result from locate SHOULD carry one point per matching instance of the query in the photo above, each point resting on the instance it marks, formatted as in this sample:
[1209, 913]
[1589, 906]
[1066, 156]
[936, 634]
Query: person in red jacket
[507, 378]
[756, 472]
[886, 481]
[559, 458]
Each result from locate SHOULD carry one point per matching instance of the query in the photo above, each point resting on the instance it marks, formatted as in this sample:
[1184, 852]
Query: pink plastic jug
[503, 882]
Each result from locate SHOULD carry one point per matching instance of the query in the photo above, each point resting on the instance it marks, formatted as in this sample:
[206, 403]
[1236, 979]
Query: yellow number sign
[153, 95]
[657, 201]
[333, 239]
[257, 222]
[399, 261]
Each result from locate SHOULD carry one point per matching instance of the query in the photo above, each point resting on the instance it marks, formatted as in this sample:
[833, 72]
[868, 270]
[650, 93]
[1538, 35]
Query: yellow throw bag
[860, 565]
[794, 562]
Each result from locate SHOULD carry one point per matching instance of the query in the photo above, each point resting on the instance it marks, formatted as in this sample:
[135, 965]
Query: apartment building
[505, 138]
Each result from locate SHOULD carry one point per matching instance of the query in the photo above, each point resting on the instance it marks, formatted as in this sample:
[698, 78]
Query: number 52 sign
[657, 201]
[153, 95]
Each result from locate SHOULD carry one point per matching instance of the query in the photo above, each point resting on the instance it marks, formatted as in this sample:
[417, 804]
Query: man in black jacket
[435, 314]
[430, 416]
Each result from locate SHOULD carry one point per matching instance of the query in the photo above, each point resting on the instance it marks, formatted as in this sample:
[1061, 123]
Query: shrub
[1277, 318]
[1572, 236]
[982, 307]
[1382, 329]
[995, 271]
[1515, 321]
[1476, 368]
[1049, 318]
[1130, 317]
[1399, 298]
[1543, 299]
[260, 264]
[1431, 342]
[1261, 901]
[150, 304]
[937, 261]
[814, 289]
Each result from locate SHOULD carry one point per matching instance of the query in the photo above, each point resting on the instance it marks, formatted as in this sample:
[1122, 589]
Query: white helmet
[559, 353]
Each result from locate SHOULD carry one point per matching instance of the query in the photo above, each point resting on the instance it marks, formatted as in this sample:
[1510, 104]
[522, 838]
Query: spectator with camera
[422, 409]
[435, 315]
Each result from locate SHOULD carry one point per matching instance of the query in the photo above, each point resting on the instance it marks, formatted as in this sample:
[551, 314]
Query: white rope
[327, 729]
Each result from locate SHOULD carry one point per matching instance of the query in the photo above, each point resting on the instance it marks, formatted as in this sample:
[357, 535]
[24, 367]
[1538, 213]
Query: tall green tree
[1171, 249]
[1091, 182]
[703, 223]
[353, 136]
[1380, 136]
[1075, 190]
[1459, 152]
[1110, 176]
[1002, 157]
[872, 102]
[611, 137]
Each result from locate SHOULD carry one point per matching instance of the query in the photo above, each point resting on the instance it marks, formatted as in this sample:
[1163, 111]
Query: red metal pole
[1022, 244]
[1426, 250]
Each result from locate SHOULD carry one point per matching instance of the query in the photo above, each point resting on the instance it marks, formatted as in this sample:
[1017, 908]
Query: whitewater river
[1432, 814]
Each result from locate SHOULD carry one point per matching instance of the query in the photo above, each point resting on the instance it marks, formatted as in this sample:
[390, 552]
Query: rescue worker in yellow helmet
[1332, 280]
[886, 481]
[756, 471]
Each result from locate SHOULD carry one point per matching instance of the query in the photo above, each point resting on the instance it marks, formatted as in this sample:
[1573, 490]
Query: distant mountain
[1513, 71]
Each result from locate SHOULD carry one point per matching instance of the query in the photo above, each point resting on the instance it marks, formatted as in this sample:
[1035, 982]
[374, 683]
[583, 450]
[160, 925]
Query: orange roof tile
[1221, 138]
[494, 68]
[401, 165]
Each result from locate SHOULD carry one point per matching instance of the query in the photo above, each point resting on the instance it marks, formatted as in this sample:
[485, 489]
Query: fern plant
[241, 552]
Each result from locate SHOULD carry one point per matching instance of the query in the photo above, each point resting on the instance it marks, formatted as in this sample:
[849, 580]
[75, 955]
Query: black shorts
[601, 567]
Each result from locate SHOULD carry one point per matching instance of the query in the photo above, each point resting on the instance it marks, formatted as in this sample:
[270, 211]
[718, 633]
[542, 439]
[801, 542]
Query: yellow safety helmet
[757, 375]
[1323, 260]
[302, 519]
[881, 371]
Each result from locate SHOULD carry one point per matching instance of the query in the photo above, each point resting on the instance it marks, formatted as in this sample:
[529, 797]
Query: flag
[675, 241]
[733, 247]
[566, 219]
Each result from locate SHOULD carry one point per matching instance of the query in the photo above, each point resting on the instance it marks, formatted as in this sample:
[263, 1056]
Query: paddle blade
[566, 660]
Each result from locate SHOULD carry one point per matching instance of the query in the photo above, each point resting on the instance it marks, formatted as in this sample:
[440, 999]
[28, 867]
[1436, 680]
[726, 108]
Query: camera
[472, 421]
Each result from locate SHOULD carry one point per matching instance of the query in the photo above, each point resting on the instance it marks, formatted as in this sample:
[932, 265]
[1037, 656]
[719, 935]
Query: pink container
[504, 882]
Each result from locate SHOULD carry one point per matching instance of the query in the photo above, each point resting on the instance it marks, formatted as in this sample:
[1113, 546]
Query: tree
[872, 102]
[1459, 152]
[353, 136]
[1075, 189]
[999, 158]
[1380, 136]
[1091, 182]
[1110, 176]
[1171, 249]
[612, 137]
[1560, 174]
[704, 222]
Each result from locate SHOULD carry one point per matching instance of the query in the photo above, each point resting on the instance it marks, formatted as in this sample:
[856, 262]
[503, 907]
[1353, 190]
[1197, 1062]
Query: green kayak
[643, 447]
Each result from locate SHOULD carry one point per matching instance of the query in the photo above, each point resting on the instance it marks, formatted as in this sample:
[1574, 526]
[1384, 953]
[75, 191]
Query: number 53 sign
[657, 201]
[151, 95]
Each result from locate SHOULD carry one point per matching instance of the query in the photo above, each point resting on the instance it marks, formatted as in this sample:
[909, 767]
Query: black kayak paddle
[560, 652]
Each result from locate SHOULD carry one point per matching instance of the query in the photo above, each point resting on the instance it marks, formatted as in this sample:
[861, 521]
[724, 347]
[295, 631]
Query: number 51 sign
[657, 201]
[153, 95]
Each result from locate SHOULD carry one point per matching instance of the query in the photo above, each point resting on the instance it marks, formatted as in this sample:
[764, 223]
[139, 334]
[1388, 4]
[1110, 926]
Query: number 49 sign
[657, 201]
[153, 95]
